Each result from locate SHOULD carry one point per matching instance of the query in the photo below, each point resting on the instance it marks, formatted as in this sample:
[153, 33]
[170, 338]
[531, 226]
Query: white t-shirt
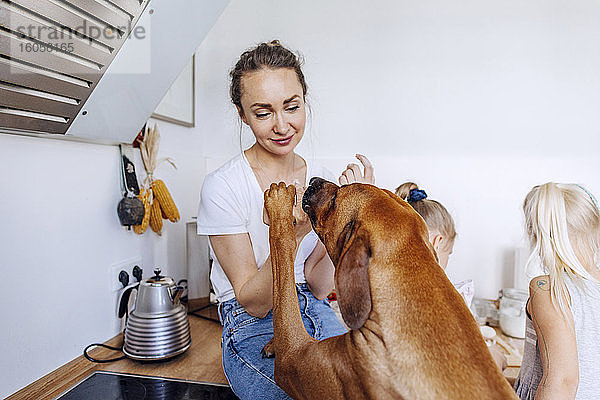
[231, 201]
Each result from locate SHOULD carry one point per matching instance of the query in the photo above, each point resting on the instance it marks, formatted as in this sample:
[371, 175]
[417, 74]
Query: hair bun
[416, 195]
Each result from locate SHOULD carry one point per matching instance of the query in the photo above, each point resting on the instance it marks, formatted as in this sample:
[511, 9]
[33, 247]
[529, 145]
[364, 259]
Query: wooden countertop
[200, 363]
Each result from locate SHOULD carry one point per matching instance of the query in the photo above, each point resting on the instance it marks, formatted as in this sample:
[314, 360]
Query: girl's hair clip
[416, 195]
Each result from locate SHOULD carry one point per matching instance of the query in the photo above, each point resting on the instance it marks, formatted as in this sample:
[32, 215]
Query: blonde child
[441, 229]
[561, 358]
[438, 220]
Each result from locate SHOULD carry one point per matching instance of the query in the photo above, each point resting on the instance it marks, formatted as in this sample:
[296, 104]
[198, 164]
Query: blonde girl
[561, 358]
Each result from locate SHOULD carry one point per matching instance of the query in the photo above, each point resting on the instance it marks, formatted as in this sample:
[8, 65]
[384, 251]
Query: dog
[411, 337]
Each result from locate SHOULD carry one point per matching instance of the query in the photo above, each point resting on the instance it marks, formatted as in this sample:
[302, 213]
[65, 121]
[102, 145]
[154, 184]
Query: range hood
[94, 70]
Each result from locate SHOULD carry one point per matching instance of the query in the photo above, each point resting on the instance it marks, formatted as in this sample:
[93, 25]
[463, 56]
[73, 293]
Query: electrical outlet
[125, 265]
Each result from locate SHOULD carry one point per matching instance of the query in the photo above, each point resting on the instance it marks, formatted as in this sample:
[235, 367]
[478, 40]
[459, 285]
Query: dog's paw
[269, 350]
[279, 202]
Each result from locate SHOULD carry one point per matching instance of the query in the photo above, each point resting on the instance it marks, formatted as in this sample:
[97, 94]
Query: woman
[561, 359]
[268, 90]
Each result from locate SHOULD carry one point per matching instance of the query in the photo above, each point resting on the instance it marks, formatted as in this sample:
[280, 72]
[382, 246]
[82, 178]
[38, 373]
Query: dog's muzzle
[313, 186]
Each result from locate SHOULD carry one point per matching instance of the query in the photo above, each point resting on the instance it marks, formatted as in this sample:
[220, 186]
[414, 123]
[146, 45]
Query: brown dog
[412, 335]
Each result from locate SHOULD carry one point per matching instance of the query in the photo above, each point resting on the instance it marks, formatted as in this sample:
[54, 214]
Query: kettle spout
[176, 294]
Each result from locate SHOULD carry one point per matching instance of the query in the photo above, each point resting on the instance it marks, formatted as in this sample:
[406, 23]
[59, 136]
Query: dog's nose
[315, 184]
[307, 196]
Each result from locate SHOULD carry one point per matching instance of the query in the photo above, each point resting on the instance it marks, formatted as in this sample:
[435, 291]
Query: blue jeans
[244, 336]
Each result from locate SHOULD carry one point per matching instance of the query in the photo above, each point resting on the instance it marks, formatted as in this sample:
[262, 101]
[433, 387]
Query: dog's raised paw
[269, 350]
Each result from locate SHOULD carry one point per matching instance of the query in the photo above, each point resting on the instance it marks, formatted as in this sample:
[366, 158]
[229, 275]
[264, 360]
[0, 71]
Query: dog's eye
[346, 234]
[349, 228]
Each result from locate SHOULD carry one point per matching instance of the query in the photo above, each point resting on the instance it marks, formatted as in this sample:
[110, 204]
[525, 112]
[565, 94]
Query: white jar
[512, 312]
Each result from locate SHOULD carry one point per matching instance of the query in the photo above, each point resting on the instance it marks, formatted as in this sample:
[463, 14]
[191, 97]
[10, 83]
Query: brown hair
[265, 55]
[436, 217]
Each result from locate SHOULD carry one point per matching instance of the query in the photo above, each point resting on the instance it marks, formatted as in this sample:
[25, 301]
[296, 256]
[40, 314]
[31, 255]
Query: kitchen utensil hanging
[130, 209]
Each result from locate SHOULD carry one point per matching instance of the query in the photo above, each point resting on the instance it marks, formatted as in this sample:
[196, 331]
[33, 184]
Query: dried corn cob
[145, 197]
[155, 217]
[162, 212]
[160, 191]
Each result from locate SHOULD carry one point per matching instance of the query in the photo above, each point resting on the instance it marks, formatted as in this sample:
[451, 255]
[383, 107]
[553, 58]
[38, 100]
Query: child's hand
[498, 356]
[353, 174]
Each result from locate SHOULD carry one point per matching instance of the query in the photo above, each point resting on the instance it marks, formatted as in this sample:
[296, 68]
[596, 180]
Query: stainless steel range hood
[93, 69]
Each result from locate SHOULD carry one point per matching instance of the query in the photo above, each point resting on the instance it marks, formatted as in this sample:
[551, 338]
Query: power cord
[124, 279]
[92, 359]
[195, 313]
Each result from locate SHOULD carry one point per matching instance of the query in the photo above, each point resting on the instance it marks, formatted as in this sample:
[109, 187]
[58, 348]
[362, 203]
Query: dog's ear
[352, 278]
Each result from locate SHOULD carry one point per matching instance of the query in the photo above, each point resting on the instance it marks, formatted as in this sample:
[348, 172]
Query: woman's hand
[352, 173]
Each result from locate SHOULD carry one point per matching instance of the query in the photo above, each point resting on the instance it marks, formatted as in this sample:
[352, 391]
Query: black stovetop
[112, 386]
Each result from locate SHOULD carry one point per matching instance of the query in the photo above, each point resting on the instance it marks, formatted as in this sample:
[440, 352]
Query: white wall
[475, 100]
[60, 236]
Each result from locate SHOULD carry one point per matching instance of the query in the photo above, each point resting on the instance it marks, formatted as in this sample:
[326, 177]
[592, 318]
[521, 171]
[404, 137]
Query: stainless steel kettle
[158, 325]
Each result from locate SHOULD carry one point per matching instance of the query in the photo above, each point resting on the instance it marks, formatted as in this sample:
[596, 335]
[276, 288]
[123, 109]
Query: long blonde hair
[436, 217]
[563, 226]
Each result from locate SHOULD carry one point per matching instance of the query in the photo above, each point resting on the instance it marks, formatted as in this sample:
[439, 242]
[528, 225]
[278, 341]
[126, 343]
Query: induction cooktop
[102, 385]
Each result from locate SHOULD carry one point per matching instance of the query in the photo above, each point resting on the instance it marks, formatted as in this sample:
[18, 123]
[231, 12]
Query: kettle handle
[124, 299]
[177, 294]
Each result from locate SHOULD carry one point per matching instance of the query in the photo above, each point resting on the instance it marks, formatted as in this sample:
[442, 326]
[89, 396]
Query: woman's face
[273, 106]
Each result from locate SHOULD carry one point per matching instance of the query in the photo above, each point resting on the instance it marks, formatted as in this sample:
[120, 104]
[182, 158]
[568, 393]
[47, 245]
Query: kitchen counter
[200, 363]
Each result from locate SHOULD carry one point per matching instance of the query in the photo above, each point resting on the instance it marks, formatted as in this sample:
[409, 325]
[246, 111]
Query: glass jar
[485, 311]
[512, 312]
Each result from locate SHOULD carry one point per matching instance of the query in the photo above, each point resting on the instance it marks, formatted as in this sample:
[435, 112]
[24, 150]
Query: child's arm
[556, 339]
